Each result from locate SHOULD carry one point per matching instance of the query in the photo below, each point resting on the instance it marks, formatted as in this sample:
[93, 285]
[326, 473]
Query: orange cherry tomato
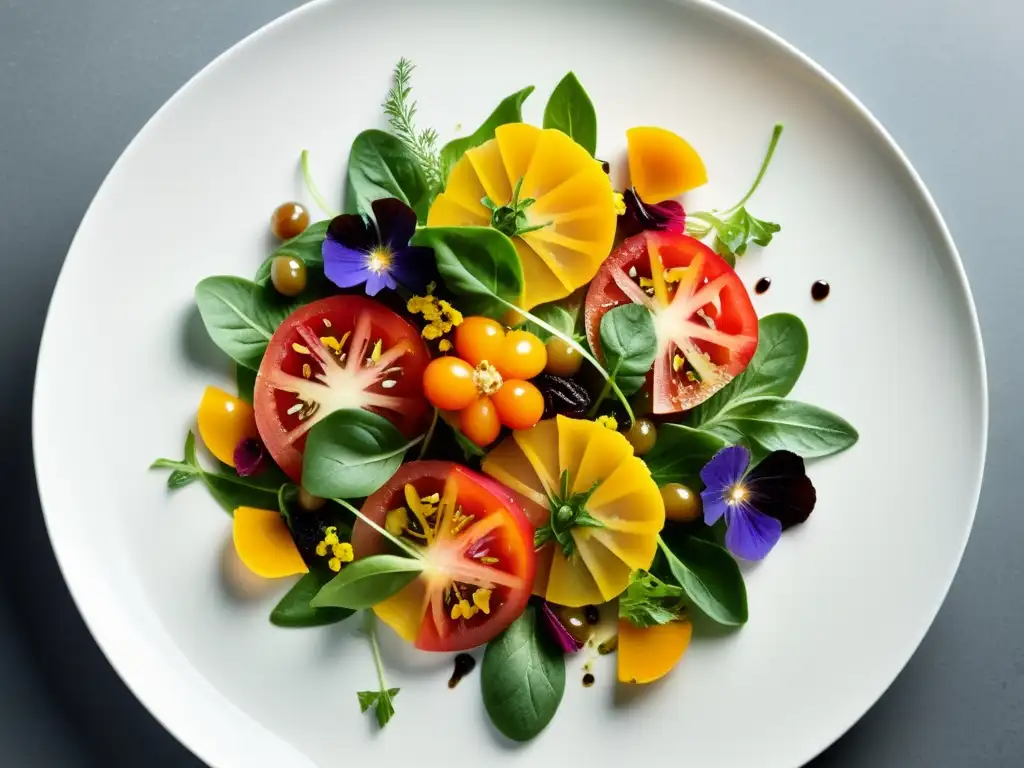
[523, 356]
[448, 384]
[224, 422]
[519, 404]
[479, 421]
[478, 339]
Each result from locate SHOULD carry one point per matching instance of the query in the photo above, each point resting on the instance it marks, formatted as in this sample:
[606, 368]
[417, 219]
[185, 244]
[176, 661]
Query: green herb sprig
[401, 112]
[648, 601]
[383, 699]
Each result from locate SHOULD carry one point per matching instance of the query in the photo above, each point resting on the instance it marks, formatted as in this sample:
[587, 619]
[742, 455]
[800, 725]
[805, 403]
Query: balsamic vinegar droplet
[588, 680]
[591, 614]
[464, 664]
[763, 284]
[819, 291]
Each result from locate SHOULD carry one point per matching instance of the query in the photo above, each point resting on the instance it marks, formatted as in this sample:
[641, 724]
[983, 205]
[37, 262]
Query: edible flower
[377, 253]
[757, 503]
[608, 422]
[639, 216]
[335, 550]
[440, 315]
[566, 641]
[250, 457]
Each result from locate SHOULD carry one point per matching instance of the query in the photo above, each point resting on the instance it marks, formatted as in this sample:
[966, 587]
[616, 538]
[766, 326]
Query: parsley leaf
[382, 700]
[649, 601]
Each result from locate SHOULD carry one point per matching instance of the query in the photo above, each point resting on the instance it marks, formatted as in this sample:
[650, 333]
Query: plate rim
[87, 606]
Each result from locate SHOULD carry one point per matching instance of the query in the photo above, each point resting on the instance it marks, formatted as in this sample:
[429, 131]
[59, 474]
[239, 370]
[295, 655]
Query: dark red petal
[780, 488]
[353, 231]
[396, 222]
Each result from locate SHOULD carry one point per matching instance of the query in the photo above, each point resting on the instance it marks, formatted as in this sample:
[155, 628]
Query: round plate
[837, 609]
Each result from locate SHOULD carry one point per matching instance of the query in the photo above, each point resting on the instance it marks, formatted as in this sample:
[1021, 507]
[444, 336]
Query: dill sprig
[401, 113]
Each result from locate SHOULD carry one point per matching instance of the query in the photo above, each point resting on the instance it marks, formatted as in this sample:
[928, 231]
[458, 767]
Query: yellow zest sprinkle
[431, 332]
[397, 521]
[677, 362]
[464, 610]
[482, 600]
[334, 564]
[330, 342]
[646, 282]
[620, 204]
[377, 349]
[434, 498]
[444, 345]
[441, 317]
[488, 560]
[344, 552]
[307, 371]
[608, 422]
[300, 349]
[331, 537]
[321, 549]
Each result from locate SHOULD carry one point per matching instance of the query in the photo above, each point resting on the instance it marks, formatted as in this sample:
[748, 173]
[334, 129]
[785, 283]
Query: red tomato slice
[479, 548]
[706, 324]
[339, 352]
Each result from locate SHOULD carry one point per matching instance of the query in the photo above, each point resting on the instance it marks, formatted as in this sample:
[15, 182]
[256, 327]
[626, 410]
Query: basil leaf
[307, 246]
[351, 454]
[522, 678]
[629, 344]
[380, 166]
[773, 424]
[479, 264]
[777, 364]
[241, 316]
[245, 380]
[708, 575]
[294, 609]
[510, 110]
[680, 453]
[570, 110]
[367, 582]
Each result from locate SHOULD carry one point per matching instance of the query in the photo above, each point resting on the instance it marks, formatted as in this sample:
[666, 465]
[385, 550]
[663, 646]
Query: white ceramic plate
[837, 609]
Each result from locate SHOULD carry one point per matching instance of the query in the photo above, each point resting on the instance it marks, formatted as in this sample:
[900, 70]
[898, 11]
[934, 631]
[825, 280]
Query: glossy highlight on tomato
[479, 550]
[703, 316]
[336, 353]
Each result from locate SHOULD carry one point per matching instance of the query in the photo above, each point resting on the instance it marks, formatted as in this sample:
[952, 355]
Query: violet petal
[250, 457]
[396, 222]
[557, 630]
[780, 488]
[343, 266]
[749, 533]
[353, 231]
[667, 216]
[377, 281]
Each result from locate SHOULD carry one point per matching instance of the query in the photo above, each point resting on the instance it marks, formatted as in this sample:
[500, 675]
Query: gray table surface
[78, 78]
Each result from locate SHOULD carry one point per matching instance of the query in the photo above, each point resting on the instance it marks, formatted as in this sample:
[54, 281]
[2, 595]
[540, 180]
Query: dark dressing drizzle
[588, 680]
[819, 291]
[763, 284]
[464, 664]
[591, 614]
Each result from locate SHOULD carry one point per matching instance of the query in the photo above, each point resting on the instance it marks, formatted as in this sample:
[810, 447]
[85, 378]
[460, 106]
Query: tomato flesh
[476, 541]
[705, 322]
[339, 352]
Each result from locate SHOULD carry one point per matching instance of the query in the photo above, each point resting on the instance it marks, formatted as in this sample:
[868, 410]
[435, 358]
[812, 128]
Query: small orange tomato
[479, 421]
[448, 383]
[224, 422]
[478, 339]
[520, 405]
[523, 356]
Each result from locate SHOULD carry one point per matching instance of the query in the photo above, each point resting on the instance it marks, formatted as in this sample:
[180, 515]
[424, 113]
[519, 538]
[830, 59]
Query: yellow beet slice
[608, 570]
[404, 611]
[662, 164]
[648, 654]
[264, 543]
[224, 421]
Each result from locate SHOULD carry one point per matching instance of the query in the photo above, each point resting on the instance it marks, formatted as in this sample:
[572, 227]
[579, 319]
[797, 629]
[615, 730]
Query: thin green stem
[579, 348]
[409, 550]
[600, 399]
[776, 134]
[307, 177]
[371, 631]
[429, 436]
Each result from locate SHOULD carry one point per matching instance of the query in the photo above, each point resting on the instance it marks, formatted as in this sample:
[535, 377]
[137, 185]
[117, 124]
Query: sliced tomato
[479, 549]
[706, 324]
[339, 352]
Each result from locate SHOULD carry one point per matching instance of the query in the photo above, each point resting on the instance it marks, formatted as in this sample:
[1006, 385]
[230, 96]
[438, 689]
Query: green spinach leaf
[777, 364]
[767, 424]
[479, 264]
[708, 575]
[510, 110]
[630, 345]
[241, 316]
[307, 246]
[680, 453]
[522, 678]
[294, 609]
[367, 582]
[570, 110]
[245, 380]
[379, 166]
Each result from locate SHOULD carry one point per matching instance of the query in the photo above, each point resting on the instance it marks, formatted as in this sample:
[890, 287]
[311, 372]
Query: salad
[499, 404]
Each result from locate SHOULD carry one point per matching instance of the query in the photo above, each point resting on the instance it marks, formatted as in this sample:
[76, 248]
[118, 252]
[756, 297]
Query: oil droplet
[464, 664]
[819, 291]
[763, 284]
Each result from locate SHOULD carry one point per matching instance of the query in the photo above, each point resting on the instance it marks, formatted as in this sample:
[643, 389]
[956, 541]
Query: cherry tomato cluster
[484, 385]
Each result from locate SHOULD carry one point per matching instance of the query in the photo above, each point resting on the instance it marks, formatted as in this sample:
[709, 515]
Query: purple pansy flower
[757, 503]
[376, 252]
[250, 456]
[668, 216]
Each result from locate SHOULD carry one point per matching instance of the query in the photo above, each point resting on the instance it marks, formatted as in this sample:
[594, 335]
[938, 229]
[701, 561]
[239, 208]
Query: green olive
[642, 436]
[643, 402]
[681, 504]
[308, 501]
[289, 220]
[563, 360]
[288, 274]
[574, 620]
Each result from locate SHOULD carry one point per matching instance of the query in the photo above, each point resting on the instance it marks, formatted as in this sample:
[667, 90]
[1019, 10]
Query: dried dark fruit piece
[562, 397]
